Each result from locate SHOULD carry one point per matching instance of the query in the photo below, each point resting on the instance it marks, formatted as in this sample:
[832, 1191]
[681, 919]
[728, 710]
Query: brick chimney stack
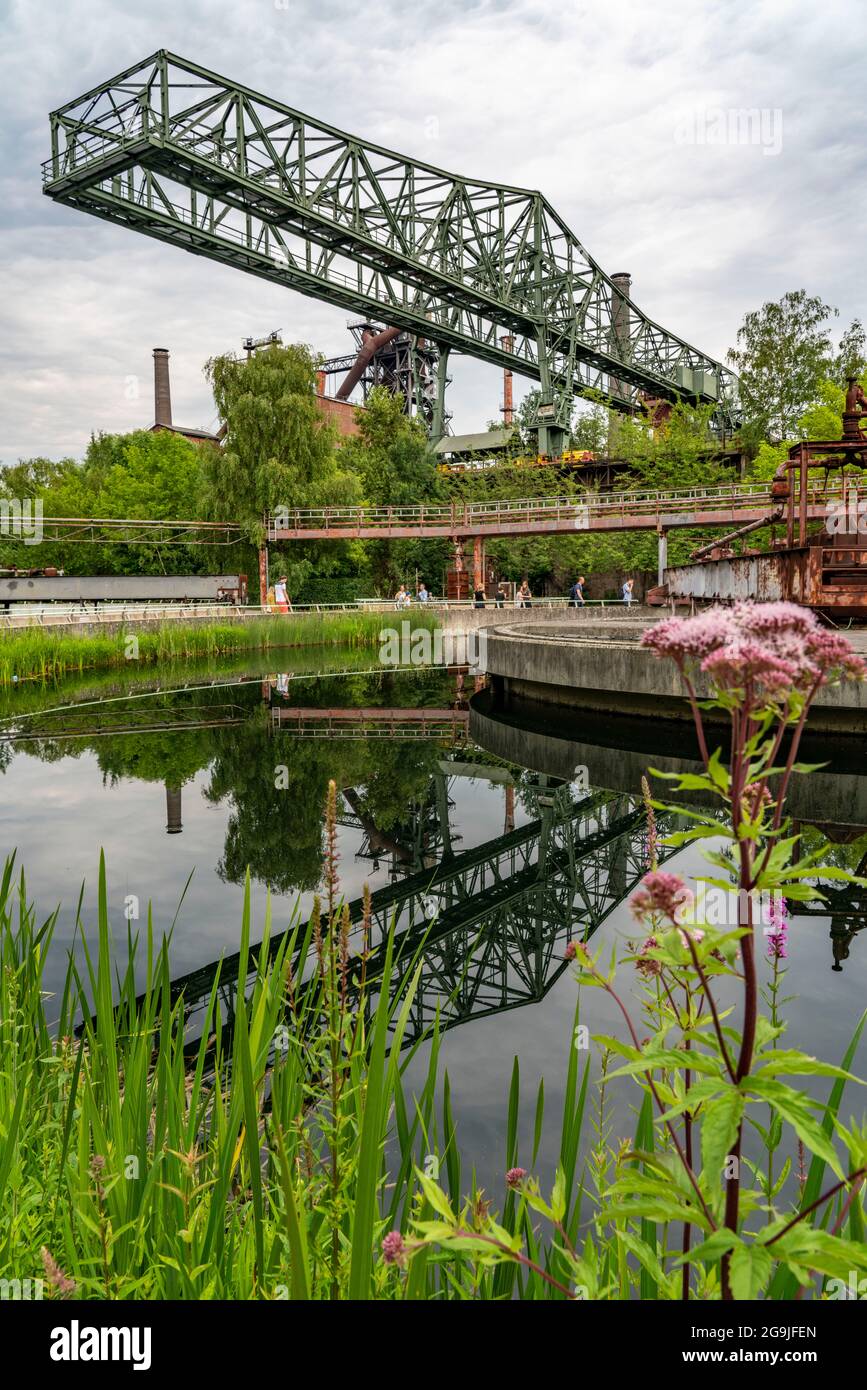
[162, 390]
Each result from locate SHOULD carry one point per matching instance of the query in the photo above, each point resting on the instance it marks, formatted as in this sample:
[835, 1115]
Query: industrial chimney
[620, 324]
[507, 343]
[162, 391]
[620, 320]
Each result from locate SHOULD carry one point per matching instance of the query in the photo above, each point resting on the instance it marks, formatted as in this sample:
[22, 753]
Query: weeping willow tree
[279, 452]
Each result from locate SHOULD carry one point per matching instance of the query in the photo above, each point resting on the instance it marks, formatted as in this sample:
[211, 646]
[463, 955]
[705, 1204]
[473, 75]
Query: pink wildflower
[393, 1249]
[55, 1275]
[515, 1177]
[778, 913]
[646, 964]
[663, 893]
[776, 646]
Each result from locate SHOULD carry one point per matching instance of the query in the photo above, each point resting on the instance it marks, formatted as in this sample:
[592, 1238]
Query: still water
[511, 834]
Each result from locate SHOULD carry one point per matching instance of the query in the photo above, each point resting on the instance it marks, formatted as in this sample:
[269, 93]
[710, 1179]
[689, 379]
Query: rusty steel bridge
[623, 511]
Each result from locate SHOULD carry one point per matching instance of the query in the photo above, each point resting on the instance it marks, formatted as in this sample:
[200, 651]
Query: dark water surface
[515, 833]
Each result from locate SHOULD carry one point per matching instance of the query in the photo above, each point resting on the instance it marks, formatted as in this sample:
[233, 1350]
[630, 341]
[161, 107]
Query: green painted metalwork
[181, 154]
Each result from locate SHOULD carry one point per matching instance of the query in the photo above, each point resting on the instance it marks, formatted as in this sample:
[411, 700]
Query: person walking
[500, 595]
[281, 595]
[628, 585]
[423, 594]
[576, 593]
[480, 598]
[526, 596]
[401, 598]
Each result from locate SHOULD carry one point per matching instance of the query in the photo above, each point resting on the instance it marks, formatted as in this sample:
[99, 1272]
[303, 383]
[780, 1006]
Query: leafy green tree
[851, 359]
[145, 474]
[279, 452]
[590, 429]
[397, 468]
[784, 352]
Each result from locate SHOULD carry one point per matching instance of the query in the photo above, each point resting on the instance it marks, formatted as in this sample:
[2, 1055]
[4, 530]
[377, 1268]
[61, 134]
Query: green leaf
[794, 1108]
[749, 1270]
[720, 1122]
[793, 1063]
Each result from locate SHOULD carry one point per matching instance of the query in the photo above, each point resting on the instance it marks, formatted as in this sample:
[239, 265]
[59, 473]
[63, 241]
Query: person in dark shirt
[576, 593]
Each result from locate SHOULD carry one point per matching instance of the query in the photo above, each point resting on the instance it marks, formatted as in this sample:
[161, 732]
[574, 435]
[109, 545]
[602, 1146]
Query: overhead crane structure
[179, 153]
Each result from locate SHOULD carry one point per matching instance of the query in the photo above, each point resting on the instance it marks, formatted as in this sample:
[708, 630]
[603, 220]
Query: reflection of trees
[843, 847]
[173, 757]
[277, 829]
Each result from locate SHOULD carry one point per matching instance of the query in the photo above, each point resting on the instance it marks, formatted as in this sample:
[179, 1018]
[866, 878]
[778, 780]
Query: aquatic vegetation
[45, 653]
[269, 1145]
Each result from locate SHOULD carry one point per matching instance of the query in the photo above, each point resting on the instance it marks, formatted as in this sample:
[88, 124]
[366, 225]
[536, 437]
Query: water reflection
[547, 859]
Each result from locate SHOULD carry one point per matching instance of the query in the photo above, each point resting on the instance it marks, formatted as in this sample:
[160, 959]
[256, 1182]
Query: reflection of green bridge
[490, 925]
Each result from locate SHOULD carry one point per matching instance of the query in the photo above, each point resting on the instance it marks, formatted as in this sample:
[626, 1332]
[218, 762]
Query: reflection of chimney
[174, 824]
[162, 392]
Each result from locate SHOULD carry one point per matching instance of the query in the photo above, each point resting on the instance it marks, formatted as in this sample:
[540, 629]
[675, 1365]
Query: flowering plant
[709, 1071]
[765, 664]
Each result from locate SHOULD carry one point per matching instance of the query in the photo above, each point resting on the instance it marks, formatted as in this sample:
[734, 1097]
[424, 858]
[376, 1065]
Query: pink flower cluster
[645, 964]
[773, 647]
[393, 1249]
[778, 913]
[515, 1177]
[661, 893]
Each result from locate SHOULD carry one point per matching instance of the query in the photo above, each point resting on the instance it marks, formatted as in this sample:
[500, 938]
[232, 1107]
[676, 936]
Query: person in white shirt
[281, 595]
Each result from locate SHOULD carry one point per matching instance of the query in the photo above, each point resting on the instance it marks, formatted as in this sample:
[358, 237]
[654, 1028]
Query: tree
[144, 474]
[784, 353]
[279, 452]
[397, 468]
[590, 429]
[851, 359]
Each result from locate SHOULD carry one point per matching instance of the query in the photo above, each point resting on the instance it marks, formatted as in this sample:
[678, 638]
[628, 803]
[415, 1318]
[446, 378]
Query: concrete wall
[837, 796]
[137, 619]
[555, 666]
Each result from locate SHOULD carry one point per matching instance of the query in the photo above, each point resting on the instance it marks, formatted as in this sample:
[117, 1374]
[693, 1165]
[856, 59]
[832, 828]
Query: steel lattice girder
[179, 153]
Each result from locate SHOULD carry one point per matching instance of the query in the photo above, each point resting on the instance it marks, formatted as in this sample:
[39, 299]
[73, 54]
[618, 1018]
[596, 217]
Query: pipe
[780, 487]
[371, 343]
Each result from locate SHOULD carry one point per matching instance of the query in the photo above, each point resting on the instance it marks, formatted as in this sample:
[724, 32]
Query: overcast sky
[615, 109]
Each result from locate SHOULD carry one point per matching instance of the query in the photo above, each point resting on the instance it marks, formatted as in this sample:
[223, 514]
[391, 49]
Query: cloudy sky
[616, 109]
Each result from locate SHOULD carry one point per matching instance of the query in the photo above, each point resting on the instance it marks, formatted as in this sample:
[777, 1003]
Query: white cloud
[583, 102]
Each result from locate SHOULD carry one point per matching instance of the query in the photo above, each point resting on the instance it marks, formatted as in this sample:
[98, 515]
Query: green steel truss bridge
[179, 153]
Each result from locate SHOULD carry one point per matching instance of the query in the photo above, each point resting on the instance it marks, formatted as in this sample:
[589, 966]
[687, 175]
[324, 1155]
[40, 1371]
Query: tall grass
[282, 1154]
[46, 653]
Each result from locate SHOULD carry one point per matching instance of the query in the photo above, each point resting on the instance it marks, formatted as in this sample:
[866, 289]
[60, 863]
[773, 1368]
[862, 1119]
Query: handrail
[654, 501]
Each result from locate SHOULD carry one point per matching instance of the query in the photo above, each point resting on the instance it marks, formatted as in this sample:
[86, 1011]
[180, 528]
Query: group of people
[278, 595]
[403, 599]
[576, 593]
[523, 596]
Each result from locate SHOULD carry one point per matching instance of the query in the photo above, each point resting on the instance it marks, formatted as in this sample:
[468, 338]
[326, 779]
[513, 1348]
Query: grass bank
[47, 653]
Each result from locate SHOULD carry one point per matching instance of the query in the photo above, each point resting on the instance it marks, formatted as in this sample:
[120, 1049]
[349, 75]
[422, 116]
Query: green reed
[47, 653]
